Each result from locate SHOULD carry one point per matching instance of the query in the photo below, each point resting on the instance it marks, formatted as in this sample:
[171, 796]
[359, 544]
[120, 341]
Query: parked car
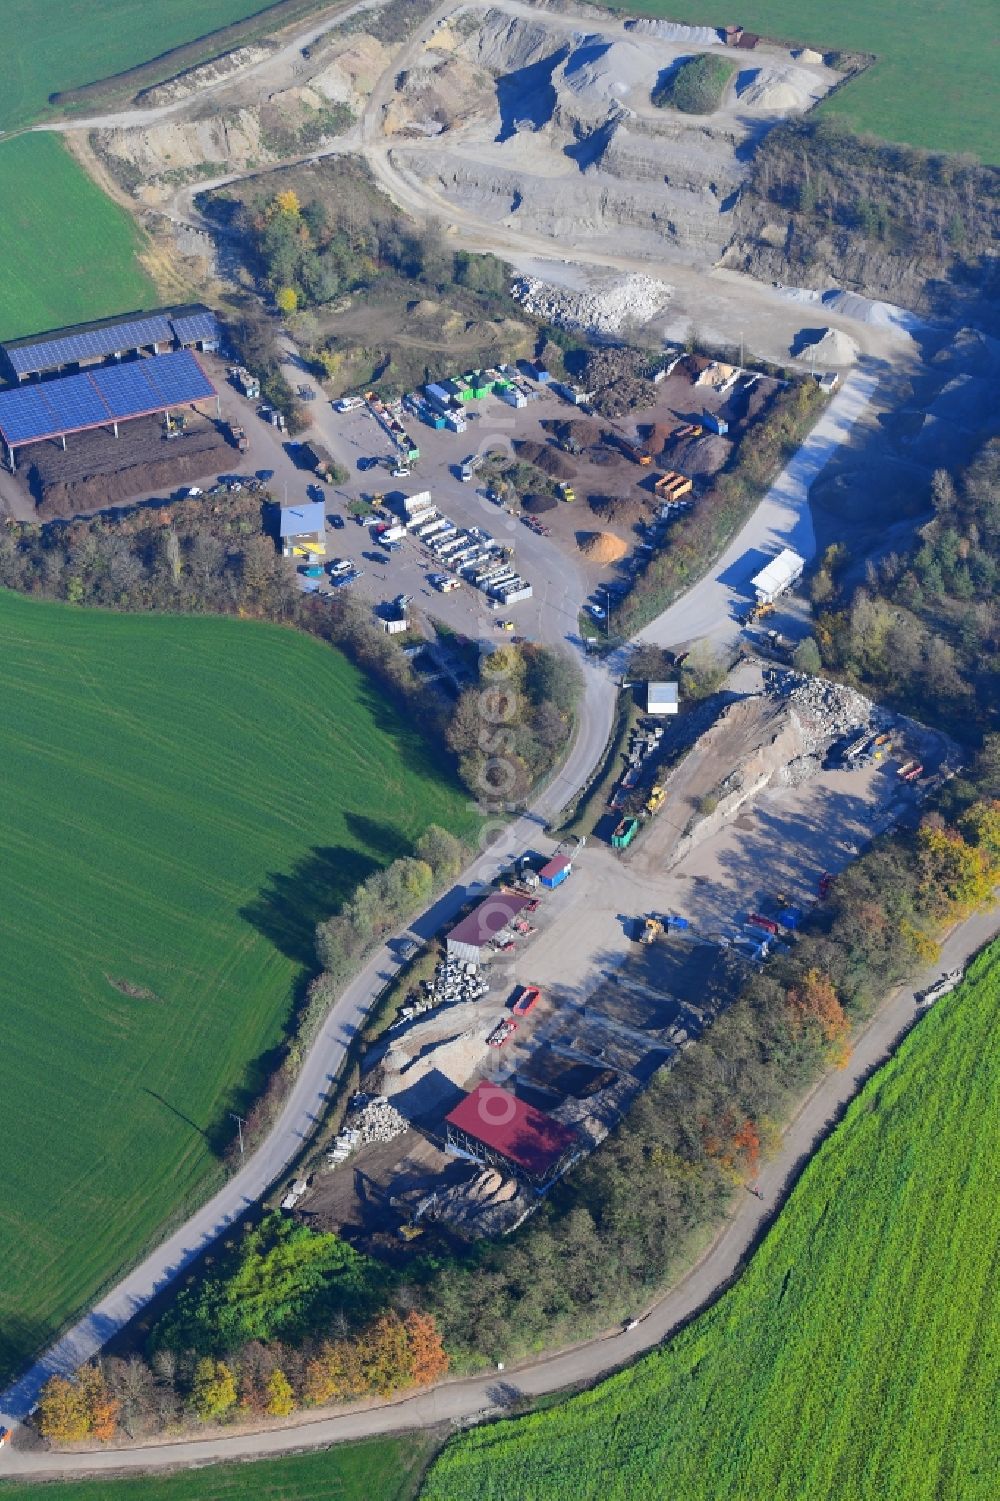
[597, 612]
[337, 522]
[316, 492]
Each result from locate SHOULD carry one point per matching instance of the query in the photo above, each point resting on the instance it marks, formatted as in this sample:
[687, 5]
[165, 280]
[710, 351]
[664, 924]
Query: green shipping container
[624, 834]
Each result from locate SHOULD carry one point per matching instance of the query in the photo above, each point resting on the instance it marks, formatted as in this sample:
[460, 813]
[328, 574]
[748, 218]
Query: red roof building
[485, 923]
[492, 1126]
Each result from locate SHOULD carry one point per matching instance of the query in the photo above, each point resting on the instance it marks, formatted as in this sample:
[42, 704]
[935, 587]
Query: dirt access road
[478, 1396]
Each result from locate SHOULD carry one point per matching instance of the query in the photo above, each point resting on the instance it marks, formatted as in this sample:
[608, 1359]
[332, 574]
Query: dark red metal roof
[489, 918]
[558, 863]
[529, 1137]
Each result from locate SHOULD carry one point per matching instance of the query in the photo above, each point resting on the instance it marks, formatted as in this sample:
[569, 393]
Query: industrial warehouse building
[484, 924]
[87, 344]
[100, 397]
[496, 1129]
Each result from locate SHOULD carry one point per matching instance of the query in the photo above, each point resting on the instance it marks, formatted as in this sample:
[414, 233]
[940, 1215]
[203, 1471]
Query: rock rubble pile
[825, 710]
[606, 309]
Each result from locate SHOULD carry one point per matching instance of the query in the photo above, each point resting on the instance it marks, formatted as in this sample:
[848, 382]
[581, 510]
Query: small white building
[662, 698]
[777, 576]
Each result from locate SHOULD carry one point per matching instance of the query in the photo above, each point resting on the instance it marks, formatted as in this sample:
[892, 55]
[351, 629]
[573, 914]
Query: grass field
[183, 800]
[53, 45]
[67, 253]
[380, 1470]
[934, 84]
[855, 1360]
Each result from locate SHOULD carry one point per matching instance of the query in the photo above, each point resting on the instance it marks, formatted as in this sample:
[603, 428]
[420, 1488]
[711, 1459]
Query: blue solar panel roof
[177, 377]
[74, 402]
[194, 326]
[45, 354]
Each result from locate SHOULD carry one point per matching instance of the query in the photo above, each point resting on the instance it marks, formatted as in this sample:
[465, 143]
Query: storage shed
[662, 698]
[558, 869]
[301, 530]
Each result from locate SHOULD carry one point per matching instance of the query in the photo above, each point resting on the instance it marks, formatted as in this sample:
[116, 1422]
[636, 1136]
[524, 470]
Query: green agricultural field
[52, 45]
[183, 799]
[67, 253]
[934, 84]
[380, 1470]
[855, 1360]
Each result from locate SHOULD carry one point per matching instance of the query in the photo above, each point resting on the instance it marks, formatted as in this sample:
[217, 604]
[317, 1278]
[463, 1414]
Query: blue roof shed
[301, 520]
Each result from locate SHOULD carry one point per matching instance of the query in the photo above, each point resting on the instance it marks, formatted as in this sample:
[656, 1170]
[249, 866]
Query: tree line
[922, 632]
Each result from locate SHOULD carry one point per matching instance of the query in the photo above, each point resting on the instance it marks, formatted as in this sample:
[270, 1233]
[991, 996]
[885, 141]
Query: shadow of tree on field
[288, 906]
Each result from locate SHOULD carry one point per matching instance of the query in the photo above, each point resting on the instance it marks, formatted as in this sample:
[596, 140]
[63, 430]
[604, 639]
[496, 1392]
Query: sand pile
[834, 348]
[601, 547]
[778, 88]
[807, 55]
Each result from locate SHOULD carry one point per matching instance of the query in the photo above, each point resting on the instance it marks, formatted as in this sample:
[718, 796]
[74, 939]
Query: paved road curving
[461, 1400]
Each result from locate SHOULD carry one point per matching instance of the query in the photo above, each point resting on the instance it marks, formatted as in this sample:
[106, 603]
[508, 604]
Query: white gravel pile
[674, 31]
[605, 309]
[834, 348]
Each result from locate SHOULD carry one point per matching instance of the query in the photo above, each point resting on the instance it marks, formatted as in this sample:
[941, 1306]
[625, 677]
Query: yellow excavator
[652, 928]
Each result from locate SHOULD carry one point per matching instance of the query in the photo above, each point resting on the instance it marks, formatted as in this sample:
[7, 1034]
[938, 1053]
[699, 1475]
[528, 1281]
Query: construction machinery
[758, 611]
[651, 928]
[655, 800]
[566, 491]
[174, 427]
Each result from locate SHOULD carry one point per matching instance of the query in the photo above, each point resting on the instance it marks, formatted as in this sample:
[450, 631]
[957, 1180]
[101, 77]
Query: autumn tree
[428, 1358]
[102, 1406]
[813, 1003]
[62, 1411]
[213, 1392]
[335, 1374]
[280, 1399]
[385, 1355]
[955, 876]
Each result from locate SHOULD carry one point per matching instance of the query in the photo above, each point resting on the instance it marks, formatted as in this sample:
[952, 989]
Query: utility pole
[607, 612]
[240, 1123]
[741, 349]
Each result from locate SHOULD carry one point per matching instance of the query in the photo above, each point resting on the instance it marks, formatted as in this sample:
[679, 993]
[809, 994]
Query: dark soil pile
[618, 510]
[549, 460]
[536, 504]
[705, 455]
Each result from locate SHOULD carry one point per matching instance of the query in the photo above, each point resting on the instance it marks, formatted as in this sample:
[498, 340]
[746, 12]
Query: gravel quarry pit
[548, 124]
